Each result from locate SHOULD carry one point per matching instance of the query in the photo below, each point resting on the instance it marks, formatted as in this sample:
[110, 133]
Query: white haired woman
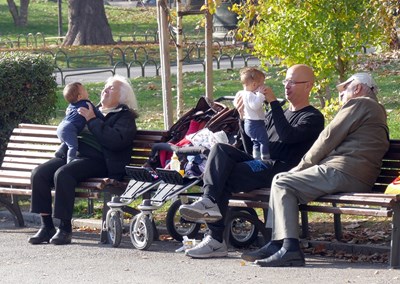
[105, 147]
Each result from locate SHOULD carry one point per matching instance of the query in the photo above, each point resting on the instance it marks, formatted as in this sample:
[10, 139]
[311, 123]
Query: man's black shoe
[61, 238]
[42, 236]
[263, 252]
[283, 258]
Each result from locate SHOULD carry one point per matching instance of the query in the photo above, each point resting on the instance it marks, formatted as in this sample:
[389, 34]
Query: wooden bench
[375, 203]
[31, 145]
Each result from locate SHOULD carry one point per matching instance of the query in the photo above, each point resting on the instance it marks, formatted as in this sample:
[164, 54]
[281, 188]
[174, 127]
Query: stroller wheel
[115, 229]
[177, 226]
[141, 231]
[242, 228]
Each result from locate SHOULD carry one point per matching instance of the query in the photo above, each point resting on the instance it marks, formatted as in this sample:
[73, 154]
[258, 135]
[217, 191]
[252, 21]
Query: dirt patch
[371, 233]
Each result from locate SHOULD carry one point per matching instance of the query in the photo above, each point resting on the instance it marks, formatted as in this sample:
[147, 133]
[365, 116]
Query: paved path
[87, 261]
[150, 71]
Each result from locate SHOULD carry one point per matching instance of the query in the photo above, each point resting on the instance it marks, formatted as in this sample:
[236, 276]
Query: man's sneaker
[202, 209]
[208, 248]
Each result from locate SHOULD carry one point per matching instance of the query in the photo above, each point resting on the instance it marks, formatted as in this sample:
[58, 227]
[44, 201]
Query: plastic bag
[207, 138]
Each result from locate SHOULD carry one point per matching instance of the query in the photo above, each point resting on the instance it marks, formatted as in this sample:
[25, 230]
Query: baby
[252, 80]
[73, 123]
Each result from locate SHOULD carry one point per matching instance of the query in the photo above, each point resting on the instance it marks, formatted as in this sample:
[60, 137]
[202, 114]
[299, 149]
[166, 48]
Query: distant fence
[127, 58]
[138, 57]
[39, 40]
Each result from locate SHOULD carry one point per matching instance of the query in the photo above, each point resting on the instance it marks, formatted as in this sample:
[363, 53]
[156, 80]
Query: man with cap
[346, 157]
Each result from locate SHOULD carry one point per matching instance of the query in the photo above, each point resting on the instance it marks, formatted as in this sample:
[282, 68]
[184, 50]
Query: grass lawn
[43, 18]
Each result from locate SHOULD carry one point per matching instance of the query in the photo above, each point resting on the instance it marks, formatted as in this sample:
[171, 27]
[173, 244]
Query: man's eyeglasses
[292, 83]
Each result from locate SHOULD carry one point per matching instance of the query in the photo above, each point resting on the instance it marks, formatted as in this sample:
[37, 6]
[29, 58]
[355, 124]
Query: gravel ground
[87, 261]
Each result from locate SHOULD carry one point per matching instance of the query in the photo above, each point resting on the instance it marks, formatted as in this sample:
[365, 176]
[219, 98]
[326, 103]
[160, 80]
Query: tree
[20, 17]
[388, 15]
[327, 35]
[87, 23]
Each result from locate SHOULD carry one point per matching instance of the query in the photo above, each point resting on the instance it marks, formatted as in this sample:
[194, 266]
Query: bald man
[291, 133]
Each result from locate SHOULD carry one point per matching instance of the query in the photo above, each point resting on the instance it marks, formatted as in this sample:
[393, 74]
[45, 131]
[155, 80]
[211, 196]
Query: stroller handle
[193, 150]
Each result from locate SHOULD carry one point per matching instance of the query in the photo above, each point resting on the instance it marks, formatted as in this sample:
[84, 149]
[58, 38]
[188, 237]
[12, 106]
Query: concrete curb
[34, 219]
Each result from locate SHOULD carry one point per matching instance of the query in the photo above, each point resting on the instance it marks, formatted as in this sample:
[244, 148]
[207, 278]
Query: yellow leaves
[212, 5]
[164, 238]
[88, 229]
[151, 86]
[330, 109]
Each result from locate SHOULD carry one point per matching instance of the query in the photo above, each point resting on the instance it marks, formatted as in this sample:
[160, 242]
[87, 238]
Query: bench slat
[362, 200]
[38, 147]
[148, 137]
[88, 194]
[142, 153]
[16, 191]
[248, 203]
[28, 192]
[15, 181]
[30, 139]
[143, 144]
[14, 166]
[91, 185]
[138, 161]
[262, 195]
[348, 210]
[36, 126]
[23, 174]
[35, 132]
[29, 154]
[19, 160]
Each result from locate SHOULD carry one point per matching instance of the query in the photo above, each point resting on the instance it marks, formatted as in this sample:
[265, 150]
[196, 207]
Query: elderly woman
[104, 150]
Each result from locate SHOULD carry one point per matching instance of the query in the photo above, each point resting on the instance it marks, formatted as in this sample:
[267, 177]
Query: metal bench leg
[395, 242]
[13, 206]
[304, 224]
[227, 228]
[103, 234]
[90, 206]
[337, 224]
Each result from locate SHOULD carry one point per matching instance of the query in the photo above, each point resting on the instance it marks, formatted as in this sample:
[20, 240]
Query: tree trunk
[394, 40]
[87, 23]
[20, 17]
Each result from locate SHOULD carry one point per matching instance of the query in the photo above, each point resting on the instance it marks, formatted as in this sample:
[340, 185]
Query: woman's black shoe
[61, 238]
[42, 236]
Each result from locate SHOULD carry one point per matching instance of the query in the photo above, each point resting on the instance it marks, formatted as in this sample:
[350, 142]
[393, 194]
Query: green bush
[27, 91]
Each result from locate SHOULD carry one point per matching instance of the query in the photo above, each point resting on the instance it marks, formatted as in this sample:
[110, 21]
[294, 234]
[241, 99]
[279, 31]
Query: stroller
[171, 185]
[167, 184]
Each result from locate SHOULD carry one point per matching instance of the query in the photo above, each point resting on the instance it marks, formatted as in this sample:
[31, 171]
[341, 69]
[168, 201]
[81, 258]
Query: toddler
[252, 80]
[73, 123]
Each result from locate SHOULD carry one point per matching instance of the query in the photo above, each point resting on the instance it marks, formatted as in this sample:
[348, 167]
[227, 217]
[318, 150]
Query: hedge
[27, 91]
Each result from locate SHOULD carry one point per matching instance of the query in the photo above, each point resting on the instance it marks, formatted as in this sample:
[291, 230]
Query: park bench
[31, 145]
[375, 203]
